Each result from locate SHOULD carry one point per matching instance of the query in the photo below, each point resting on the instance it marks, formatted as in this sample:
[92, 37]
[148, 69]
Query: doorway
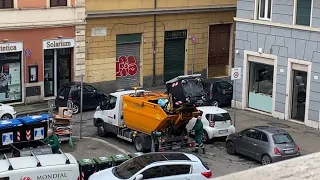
[219, 48]
[298, 94]
[57, 69]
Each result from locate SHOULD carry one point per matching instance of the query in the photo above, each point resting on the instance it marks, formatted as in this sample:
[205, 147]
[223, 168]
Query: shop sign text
[10, 47]
[58, 43]
[126, 66]
[52, 176]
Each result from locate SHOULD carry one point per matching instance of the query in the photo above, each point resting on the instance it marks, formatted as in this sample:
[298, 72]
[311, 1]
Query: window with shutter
[303, 12]
[55, 3]
[5, 4]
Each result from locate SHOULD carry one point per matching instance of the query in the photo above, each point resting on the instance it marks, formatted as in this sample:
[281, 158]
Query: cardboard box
[64, 112]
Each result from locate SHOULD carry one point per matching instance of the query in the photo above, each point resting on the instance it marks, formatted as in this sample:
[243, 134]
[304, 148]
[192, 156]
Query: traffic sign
[28, 53]
[193, 39]
[235, 73]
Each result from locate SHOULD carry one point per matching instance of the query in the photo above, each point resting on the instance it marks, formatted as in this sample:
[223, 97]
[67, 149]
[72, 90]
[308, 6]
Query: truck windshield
[129, 168]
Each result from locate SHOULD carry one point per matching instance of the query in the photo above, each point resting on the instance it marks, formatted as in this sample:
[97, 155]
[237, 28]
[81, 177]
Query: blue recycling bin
[10, 131]
[35, 127]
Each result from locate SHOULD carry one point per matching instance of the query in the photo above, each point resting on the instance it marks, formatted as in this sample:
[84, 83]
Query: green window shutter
[128, 38]
[303, 14]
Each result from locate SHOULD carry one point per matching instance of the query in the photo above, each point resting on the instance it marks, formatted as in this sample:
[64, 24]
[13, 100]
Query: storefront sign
[99, 31]
[175, 34]
[28, 53]
[58, 43]
[10, 47]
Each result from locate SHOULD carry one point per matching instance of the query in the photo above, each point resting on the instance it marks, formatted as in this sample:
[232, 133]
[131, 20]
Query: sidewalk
[307, 138]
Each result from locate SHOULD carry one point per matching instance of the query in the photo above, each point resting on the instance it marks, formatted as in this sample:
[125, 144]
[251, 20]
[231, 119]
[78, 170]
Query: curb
[105, 142]
[32, 111]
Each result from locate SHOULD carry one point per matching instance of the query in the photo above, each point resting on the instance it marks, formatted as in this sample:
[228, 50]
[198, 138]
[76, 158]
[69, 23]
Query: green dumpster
[135, 154]
[103, 163]
[87, 167]
[119, 158]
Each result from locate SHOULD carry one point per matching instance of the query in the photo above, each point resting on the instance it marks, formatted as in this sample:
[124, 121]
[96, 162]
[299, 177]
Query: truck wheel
[101, 131]
[138, 144]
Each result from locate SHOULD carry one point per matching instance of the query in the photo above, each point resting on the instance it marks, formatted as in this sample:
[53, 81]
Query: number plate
[223, 131]
[288, 152]
[176, 147]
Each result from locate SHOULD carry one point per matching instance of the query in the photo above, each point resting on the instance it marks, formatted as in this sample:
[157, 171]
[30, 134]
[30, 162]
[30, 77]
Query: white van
[41, 167]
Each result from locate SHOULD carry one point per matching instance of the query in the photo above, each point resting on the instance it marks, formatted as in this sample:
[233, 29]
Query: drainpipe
[154, 44]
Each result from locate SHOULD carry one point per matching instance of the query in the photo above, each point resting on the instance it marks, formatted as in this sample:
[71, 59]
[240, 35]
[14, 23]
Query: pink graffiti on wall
[126, 66]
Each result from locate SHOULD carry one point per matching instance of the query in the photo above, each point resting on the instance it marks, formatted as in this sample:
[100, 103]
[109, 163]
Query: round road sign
[236, 75]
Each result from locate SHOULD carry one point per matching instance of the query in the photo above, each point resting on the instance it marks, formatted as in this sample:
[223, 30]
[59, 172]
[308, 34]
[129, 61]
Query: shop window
[264, 9]
[55, 3]
[260, 86]
[303, 12]
[10, 77]
[6, 4]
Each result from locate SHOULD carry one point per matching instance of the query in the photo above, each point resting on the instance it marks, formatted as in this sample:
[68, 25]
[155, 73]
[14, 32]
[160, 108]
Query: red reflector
[192, 144]
[207, 174]
[276, 151]
[230, 122]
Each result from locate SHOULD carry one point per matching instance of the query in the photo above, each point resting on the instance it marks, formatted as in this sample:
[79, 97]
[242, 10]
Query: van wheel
[101, 131]
[138, 144]
[6, 116]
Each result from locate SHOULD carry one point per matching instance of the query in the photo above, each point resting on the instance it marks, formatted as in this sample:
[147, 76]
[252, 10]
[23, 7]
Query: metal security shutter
[174, 57]
[128, 62]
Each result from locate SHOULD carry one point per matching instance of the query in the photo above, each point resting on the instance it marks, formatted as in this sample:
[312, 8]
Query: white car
[216, 123]
[7, 112]
[158, 166]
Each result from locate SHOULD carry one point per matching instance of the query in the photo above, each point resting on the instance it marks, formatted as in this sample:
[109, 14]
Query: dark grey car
[263, 143]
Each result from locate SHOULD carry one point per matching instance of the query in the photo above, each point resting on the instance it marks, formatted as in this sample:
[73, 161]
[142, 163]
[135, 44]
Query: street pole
[192, 57]
[234, 103]
[81, 104]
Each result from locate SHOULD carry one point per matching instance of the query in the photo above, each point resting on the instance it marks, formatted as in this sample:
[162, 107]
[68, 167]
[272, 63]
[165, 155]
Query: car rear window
[282, 138]
[218, 117]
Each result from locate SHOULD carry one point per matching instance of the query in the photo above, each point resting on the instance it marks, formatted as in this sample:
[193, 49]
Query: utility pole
[81, 105]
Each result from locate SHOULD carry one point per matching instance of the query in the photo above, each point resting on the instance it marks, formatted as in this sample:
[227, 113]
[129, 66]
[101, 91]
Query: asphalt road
[216, 157]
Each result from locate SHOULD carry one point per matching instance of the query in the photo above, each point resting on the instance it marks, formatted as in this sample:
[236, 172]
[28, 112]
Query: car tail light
[298, 149]
[207, 174]
[211, 123]
[276, 151]
[192, 144]
[69, 97]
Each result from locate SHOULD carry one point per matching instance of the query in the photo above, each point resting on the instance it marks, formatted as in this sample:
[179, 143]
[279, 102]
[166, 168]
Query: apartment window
[303, 12]
[55, 3]
[5, 4]
[264, 9]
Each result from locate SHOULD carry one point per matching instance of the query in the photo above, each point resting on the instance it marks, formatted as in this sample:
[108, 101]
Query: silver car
[263, 143]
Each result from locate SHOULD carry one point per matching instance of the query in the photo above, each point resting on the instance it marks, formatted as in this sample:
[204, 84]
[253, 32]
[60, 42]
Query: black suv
[219, 92]
[71, 91]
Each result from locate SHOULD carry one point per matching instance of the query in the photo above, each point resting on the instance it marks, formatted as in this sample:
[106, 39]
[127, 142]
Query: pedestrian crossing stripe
[7, 138]
[38, 133]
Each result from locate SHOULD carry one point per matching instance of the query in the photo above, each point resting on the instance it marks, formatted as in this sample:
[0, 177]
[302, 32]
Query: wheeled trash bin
[35, 127]
[119, 158]
[87, 167]
[10, 131]
[103, 163]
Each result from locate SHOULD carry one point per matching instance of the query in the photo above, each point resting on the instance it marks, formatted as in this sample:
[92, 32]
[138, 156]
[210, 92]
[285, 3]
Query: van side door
[109, 109]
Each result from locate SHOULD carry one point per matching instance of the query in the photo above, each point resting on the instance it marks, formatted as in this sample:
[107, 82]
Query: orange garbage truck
[151, 120]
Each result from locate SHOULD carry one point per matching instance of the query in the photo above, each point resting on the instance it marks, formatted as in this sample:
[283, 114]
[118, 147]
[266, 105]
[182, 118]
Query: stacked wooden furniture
[63, 124]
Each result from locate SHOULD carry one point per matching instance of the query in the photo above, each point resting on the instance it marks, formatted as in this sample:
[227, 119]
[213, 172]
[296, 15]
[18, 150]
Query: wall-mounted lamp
[260, 50]
[5, 40]
[60, 36]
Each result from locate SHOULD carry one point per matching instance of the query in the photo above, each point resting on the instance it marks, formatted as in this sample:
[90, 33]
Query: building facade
[144, 43]
[42, 46]
[278, 49]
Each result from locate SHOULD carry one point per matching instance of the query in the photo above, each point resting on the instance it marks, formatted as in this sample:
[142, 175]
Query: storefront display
[260, 87]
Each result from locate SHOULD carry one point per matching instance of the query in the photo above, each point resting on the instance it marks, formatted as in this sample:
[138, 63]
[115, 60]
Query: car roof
[150, 158]
[211, 109]
[215, 80]
[271, 129]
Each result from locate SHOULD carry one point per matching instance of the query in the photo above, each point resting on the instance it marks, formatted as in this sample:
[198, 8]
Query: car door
[261, 145]
[94, 95]
[63, 95]
[225, 90]
[179, 171]
[245, 143]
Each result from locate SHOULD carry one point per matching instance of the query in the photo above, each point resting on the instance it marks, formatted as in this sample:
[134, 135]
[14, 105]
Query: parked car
[71, 91]
[216, 122]
[218, 92]
[263, 143]
[164, 166]
[7, 112]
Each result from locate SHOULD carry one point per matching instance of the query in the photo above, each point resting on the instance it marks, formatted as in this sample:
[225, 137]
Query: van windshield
[129, 168]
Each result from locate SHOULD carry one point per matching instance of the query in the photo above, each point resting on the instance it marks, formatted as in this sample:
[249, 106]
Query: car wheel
[138, 144]
[205, 137]
[6, 116]
[231, 148]
[266, 159]
[215, 103]
[101, 131]
[75, 108]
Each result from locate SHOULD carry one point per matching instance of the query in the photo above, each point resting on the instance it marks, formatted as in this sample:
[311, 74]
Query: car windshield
[283, 138]
[218, 117]
[129, 168]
